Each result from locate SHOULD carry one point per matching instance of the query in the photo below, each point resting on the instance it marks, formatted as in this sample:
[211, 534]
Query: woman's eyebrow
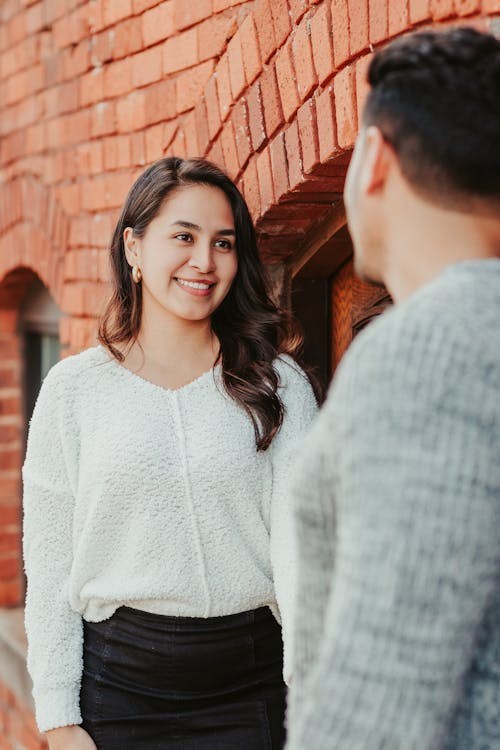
[186, 225]
[190, 225]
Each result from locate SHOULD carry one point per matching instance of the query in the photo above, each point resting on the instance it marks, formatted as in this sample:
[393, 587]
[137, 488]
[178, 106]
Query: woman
[157, 527]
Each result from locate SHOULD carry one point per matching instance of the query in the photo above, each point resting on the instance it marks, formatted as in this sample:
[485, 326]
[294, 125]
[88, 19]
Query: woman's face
[187, 255]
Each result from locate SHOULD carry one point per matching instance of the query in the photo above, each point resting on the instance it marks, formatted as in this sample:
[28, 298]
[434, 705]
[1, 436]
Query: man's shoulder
[443, 340]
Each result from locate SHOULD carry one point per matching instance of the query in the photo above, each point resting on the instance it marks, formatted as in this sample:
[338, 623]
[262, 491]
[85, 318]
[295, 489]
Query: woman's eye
[223, 244]
[183, 236]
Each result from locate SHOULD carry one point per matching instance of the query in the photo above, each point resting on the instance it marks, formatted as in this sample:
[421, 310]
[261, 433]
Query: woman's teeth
[194, 284]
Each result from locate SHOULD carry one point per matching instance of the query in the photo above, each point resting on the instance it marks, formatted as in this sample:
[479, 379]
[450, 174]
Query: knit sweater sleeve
[53, 629]
[312, 486]
[407, 448]
[300, 409]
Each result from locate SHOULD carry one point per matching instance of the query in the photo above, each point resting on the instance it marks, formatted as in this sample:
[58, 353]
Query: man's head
[431, 127]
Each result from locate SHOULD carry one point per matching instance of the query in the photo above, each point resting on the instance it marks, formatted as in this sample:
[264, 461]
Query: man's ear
[131, 246]
[378, 159]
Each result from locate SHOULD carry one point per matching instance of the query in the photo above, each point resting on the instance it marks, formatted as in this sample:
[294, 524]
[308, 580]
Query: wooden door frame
[326, 254]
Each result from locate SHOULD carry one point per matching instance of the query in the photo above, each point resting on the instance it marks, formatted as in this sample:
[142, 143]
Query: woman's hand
[70, 738]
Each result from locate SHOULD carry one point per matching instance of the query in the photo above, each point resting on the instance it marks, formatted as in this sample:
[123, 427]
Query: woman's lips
[196, 288]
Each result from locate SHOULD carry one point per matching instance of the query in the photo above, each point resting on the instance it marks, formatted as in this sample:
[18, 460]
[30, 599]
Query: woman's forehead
[203, 206]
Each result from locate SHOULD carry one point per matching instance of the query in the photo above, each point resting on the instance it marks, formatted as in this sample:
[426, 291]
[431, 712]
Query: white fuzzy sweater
[152, 498]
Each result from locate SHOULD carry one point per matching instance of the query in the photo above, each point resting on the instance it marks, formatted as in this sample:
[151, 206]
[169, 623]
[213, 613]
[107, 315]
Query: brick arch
[283, 122]
[15, 703]
[258, 116]
[33, 235]
[13, 287]
[269, 89]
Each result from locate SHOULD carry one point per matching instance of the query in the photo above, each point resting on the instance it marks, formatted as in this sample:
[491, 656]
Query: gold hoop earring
[136, 274]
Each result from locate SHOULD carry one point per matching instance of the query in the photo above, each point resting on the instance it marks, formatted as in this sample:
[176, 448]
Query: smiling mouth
[201, 285]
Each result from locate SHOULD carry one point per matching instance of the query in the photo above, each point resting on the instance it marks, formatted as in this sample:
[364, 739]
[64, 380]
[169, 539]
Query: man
[398, 492]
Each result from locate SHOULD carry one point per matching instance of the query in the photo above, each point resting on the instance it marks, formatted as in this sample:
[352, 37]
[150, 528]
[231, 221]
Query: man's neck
[421, 247]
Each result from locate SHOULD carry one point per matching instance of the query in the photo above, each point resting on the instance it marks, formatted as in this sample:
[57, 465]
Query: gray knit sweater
[397, 496]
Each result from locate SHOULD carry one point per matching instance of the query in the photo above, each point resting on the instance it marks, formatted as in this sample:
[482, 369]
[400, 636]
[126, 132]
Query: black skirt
[155, 682]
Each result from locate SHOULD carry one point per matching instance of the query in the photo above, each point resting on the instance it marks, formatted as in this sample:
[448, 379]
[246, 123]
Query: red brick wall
[10, 461]
[93, 91]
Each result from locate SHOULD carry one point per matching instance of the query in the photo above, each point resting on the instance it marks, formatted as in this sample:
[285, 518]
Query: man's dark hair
[436, 98]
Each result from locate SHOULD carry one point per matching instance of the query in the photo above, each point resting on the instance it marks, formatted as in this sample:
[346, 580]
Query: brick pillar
[11, 448]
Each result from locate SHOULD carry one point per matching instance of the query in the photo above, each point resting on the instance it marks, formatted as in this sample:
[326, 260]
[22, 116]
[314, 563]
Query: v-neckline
[149, 383]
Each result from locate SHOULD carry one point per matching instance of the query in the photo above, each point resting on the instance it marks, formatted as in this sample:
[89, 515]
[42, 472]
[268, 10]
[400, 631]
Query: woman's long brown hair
[251, 329]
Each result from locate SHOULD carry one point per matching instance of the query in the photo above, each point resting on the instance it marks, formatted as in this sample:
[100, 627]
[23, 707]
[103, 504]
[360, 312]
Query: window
[39, 330]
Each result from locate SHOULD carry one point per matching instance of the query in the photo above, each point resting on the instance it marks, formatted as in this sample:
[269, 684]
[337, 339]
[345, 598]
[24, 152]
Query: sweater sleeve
[409, 446]
[300, 408]
[312, 487]
[54, 630]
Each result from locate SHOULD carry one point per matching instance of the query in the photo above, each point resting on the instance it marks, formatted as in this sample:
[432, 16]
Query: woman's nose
[202, 257]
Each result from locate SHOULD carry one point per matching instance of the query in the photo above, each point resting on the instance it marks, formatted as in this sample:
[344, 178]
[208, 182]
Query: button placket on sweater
[176, 397]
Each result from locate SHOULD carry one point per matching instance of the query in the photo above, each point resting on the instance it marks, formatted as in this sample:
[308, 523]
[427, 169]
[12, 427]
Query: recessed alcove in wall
[327, 297]
[38, 329]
